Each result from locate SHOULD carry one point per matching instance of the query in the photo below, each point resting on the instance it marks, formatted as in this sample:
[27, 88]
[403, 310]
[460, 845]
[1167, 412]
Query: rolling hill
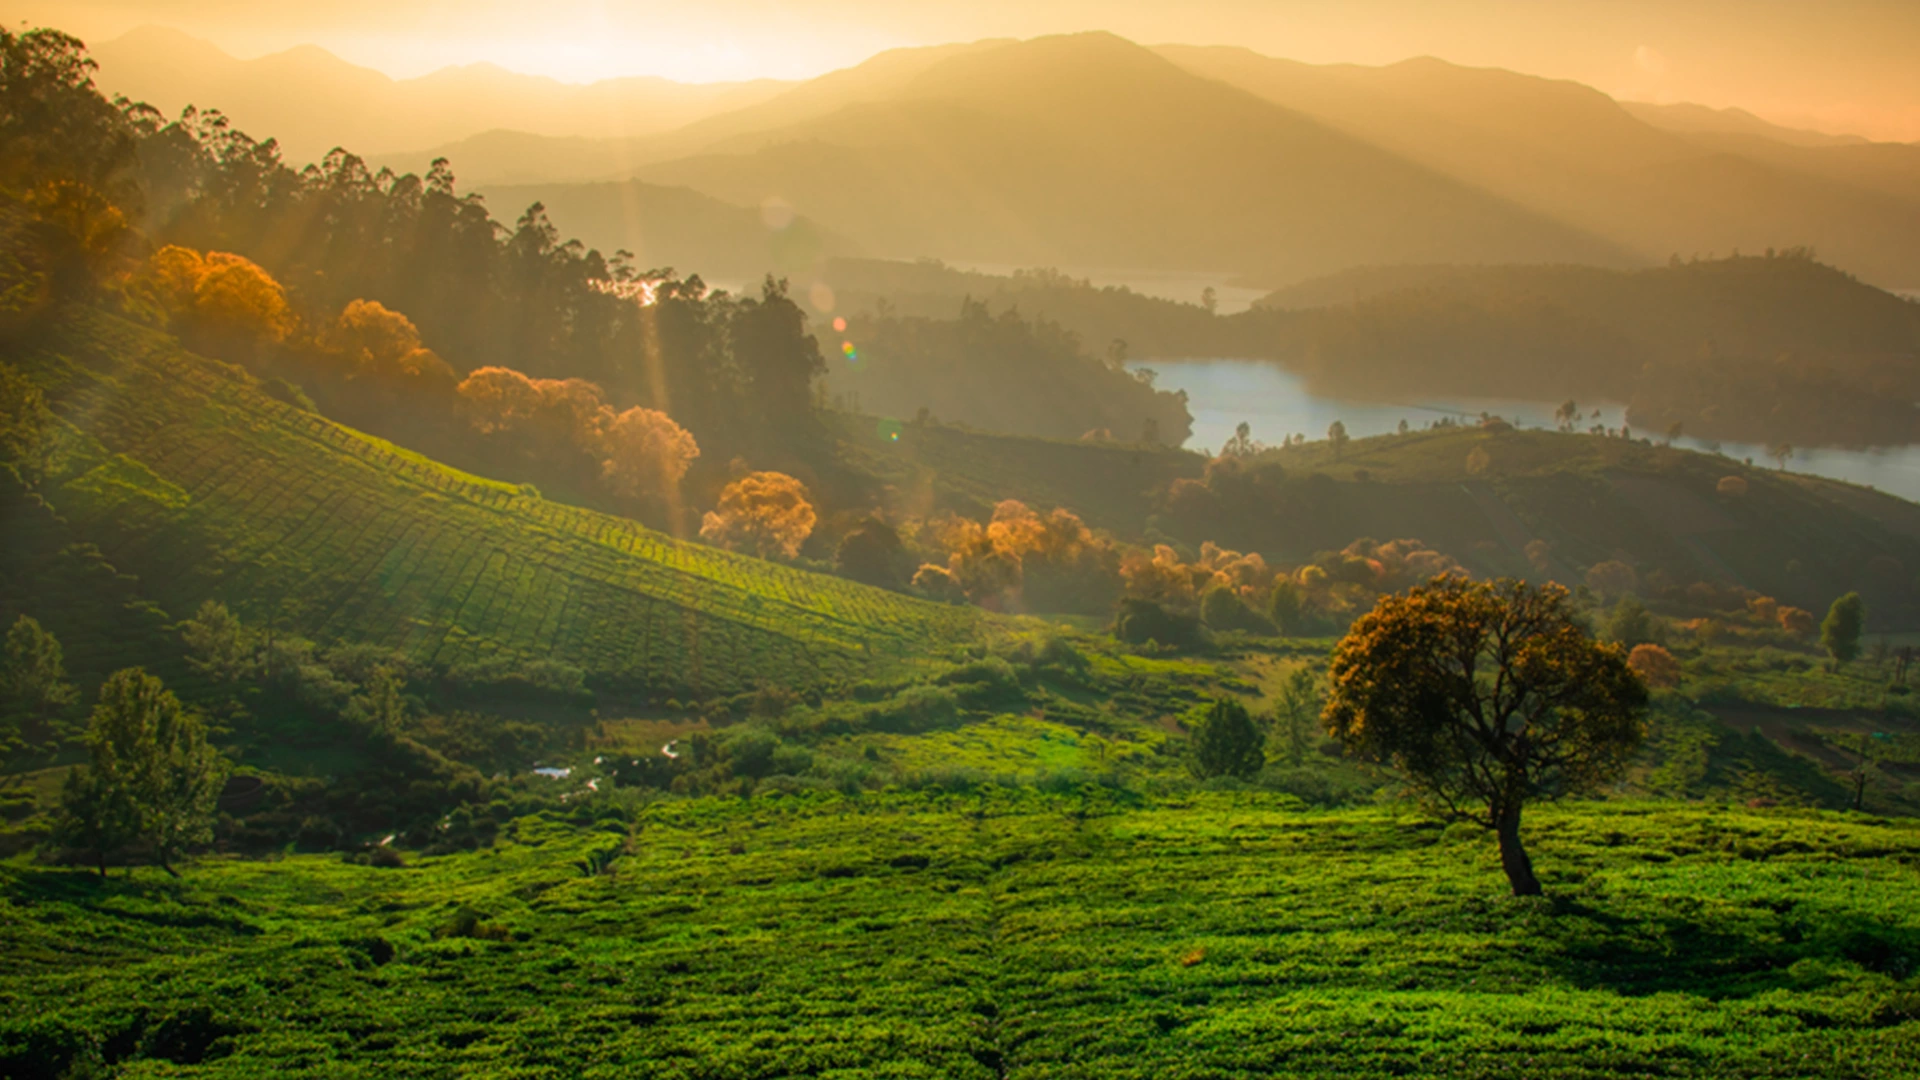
[1576, 156]
[182, 472]
[1090, 150]
[313, 101]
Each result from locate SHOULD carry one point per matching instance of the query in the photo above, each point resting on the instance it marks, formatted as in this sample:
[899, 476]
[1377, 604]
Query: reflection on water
[1223, 393]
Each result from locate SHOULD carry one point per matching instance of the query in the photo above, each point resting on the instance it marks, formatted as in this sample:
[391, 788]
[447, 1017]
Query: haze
[1839, 67]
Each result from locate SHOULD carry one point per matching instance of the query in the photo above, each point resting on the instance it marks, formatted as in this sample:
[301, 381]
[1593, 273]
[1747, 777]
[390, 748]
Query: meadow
[994, 931]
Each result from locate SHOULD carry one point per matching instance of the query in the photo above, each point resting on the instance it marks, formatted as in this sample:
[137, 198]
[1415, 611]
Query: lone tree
[1840, 630]
[152, 778]
[1337, 436]
[1228, 742]
[1485, 696]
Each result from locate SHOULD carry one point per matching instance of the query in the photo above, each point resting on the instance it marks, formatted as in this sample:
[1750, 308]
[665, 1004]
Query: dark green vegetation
[996, 933]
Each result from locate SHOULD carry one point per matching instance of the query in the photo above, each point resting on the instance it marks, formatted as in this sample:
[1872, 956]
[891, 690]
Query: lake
[1223, 393]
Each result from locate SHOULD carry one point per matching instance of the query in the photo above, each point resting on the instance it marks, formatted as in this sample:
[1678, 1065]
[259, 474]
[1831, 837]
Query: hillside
[1574, 155]
[1008, 155]
[999, 933]
[184, 473]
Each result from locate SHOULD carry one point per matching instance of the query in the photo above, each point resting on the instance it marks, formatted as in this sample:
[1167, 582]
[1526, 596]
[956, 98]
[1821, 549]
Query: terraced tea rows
[290, 518]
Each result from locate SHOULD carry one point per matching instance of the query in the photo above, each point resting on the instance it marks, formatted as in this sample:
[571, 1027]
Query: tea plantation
[185, 474]
[994, 932]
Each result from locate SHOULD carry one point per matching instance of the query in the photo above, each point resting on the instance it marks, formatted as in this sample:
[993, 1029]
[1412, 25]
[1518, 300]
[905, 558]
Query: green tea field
[995, 932]
[184, 474]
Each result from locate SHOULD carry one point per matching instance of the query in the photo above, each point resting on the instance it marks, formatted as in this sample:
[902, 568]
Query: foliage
[1226, 741]
[34, 690]
[1840, 630]
[1485, 696]
[871, 552]
[1655, 666]
[1141, 622]
[766, 513]
[151, 779]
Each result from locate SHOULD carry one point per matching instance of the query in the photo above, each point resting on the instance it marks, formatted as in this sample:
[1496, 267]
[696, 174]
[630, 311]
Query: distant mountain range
[312, 101]
[1090, 151]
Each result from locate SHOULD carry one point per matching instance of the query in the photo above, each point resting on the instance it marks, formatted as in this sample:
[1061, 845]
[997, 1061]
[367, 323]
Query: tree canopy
[1485, 696]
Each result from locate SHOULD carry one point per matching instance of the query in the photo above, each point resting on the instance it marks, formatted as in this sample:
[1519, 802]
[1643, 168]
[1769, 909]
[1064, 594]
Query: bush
[1143, 621]
[1227, 742]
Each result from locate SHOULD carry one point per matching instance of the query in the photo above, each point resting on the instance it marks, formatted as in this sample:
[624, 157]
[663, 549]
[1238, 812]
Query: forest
[434, 647]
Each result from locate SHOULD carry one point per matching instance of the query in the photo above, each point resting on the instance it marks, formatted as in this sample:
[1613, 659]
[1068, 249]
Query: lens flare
[821, 296]
[840, 324]
[888, 430]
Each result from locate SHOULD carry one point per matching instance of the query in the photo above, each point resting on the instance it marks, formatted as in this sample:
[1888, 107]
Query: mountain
[1090, 150]
[313, 101]
[1686, 118]
[1574, 155]
[192, 479]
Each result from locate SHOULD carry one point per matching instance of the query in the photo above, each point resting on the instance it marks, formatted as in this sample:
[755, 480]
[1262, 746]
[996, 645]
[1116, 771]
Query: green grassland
[995, 932]
[185, 475]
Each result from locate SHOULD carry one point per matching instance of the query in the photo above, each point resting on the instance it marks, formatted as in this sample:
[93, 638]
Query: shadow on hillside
[1708, 952]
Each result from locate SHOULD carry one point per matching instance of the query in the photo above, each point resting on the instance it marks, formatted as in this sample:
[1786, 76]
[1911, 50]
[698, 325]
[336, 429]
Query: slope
[1571, 153]
[182, 472]
[1089, 150]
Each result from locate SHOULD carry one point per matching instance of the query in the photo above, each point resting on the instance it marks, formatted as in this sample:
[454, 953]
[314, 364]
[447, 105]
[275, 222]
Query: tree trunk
[1513, 857]
[167, 865]
[103, 866]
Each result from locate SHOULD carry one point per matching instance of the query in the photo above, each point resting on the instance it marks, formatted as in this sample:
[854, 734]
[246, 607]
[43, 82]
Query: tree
[1781, 453]
[1796, 621]
[1296, 711]
[1612, 578]
[1485, 696]
[1628, 624]
[217, 644]
[871, 552]
[766, 513]
[1210, 300]
[1242, 444]
[1655, 665]
[1337, 435]
[152, 777]
[1840, 630]
[33, 680]
[646, 452]
[1227, 742]
[1567, 416]
[1287, 608]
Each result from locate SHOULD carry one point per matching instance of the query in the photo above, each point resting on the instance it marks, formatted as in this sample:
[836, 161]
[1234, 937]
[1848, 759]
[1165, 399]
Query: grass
[185, 475]
[997, 932]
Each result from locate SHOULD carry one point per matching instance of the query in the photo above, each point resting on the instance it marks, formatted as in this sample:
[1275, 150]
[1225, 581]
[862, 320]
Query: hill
[183, 472]
[998, 932]
[1575, 156]
[1010, 155]
[1690, 119]
[1756, 349]
[313, 101]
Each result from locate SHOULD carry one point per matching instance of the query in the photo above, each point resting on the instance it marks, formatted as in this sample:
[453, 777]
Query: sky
[1839, 65]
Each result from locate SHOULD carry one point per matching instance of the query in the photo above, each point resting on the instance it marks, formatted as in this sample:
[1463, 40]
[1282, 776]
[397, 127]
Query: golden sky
[1841, 65]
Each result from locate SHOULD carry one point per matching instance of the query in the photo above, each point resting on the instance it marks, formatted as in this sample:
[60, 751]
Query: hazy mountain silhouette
[1090, 150]
[1686, 118]
[313, 101]
[1572, 153]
